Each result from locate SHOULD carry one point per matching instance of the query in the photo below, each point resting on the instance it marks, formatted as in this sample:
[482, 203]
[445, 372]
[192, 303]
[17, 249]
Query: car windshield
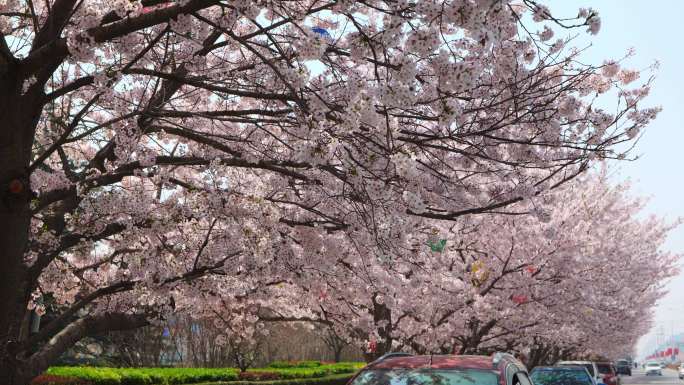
[426, 377]
[590, 367]
[622, 363]
[604, 368]
[653, 364]
[560, 377]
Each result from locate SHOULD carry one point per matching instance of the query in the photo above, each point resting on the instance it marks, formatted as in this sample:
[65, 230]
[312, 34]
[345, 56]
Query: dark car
[623, 367]
[404, 369]
[561, 375]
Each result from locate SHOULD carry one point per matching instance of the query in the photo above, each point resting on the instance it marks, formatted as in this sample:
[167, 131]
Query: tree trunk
[11, 376]
[338, 354]
[18, 116]
[381, 313]
[471, 343]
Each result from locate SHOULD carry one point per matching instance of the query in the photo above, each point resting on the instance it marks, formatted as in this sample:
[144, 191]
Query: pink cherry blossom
[222, 159]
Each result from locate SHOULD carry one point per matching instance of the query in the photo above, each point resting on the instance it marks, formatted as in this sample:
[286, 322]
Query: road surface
[638, 377]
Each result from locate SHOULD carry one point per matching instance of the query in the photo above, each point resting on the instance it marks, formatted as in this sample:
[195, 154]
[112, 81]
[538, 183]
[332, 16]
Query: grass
[280, 373]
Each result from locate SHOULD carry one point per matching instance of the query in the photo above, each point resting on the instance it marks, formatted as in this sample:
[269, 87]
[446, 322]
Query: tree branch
[76, 331]
[57, 48]
[59, 15]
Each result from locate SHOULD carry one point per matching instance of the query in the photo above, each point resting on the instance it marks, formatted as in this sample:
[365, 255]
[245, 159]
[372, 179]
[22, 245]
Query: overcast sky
[653, 28]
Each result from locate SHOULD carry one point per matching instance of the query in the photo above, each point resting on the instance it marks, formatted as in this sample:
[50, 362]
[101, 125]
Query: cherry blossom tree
[160, 156]
[574, 271]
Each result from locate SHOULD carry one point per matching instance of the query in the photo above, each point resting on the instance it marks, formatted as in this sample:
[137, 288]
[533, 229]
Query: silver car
[653, 368]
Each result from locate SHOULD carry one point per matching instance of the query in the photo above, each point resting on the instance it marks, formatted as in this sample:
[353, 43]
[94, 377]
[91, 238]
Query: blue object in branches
[322, 32]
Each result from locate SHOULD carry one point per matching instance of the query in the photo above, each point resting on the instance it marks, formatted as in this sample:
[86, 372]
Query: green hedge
[145, 376]
[313, 372]
[337, 379]
[294, 364]
[182, 376]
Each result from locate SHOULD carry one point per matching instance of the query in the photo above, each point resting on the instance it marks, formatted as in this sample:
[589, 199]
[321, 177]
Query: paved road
[638, 377]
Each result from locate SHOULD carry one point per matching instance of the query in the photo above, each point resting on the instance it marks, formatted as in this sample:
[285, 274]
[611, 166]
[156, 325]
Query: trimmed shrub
[259, 376]
[130, 377]
[183, 376]
[145, 376]
[97, 376]
[311, 371]
[294, 364]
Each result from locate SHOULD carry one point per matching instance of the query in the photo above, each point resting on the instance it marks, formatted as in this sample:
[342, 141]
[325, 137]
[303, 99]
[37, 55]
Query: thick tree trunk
[381, 313]
[18, 118]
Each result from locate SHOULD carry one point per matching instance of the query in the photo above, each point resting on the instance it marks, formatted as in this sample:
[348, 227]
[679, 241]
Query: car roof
[563, 368]
[435, 362]
[575, 362]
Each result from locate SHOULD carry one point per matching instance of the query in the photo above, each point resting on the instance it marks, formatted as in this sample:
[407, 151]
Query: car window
[590, 367]
[426, 377]
[560, 377]
[604, 368]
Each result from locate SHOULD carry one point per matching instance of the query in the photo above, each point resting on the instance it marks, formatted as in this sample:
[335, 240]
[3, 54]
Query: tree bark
[471, 343]
[381, 313]
[73, 333]
[19, 115]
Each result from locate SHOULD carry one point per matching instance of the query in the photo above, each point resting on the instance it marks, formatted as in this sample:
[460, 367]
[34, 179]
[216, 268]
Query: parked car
[608, 373]
[589, 365]
[653, 368]
[405, 369]
[681, 371]
[617, 375]
[623, 367]
[566, 375]
[663, 365]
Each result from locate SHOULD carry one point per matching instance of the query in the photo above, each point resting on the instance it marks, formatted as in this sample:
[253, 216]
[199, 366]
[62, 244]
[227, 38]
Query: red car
[405, 369]
[608, 372]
